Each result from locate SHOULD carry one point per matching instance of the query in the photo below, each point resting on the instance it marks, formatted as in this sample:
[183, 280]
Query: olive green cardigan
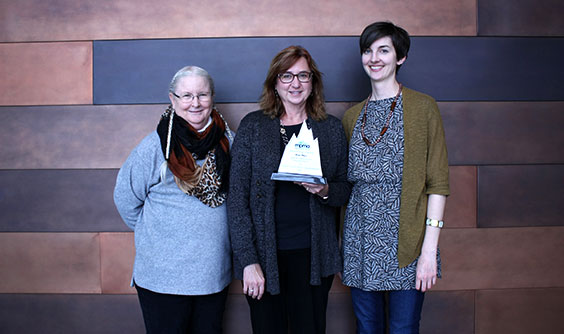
[425, 166]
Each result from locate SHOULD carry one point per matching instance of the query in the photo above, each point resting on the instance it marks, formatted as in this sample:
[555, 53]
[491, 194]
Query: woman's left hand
[321, 190]
[426, 274]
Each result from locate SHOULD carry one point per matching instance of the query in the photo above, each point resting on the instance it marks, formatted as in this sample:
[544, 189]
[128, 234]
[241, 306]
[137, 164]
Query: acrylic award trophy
[300, 160]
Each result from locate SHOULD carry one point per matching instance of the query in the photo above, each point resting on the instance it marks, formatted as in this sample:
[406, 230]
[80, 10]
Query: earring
[275, 93]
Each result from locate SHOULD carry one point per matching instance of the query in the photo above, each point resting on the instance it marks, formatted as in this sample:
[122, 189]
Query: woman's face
[295, 93]
[380, 60]
[197, 111]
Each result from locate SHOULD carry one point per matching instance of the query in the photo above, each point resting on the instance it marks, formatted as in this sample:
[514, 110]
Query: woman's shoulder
[149, 146]
[416, 96]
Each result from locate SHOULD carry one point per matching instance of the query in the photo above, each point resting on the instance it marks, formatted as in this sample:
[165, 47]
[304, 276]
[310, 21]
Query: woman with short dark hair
[399, 169]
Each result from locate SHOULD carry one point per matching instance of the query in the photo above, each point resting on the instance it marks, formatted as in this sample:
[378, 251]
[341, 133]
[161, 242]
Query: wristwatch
[434, 223]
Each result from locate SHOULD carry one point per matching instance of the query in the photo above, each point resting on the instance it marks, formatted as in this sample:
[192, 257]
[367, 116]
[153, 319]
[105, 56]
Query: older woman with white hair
[171, 192]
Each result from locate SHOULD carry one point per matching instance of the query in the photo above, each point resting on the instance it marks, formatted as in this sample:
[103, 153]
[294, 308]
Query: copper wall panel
[58, 201]
[49, 263]
[45, 73]
[64, 137]
[448, 312]
[504, 132]
[520, 18]
[517, 196]
[73, 136]
[502, 258]
[37, 20]
[523, 311]
[117, 254]
[461, 204]
[70, 313]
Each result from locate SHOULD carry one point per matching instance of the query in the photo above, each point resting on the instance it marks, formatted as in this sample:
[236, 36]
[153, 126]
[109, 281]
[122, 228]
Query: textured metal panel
[504, 132]
[448, 312]
[453, 69]
[117, 254]
[45, 73]
[502, 258]
[520, 18]
[49, 263]
[36, 20]
[58, 201]
[461, 204]
[84, 314]
[518, 196]
[522, 311]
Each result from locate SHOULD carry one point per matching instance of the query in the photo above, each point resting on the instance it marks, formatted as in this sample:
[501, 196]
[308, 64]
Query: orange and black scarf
[188, 145]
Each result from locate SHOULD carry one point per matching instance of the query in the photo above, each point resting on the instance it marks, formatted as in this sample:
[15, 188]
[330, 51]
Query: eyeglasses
[187, 98]
[288, 77]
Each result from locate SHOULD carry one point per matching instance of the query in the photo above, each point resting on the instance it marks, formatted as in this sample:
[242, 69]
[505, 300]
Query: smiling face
[294, 94]
[380, 60]
[196, 112]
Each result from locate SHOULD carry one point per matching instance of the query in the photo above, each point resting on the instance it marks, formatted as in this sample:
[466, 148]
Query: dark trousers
[300, 306]
[164, 313]
[400, 310]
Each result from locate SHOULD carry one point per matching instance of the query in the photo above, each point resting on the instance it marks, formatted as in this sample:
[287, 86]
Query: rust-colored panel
[117, 253]
[448, 312]
[461, 204]
[519, 196]
[45, 73]
[49, 263]
[523, 311]
[520, 18]
[503, 132]
[502, 258]
[36, 20]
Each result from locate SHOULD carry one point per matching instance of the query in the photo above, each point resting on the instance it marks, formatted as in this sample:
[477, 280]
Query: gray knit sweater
[250, 204]
[181, 245]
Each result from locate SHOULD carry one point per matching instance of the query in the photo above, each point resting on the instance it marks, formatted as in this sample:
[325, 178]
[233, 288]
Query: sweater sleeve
[238, 206]
[437, 181]
[132, 185]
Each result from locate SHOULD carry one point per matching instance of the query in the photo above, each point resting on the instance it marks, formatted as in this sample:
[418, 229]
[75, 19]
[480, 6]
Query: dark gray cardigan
[250, 204]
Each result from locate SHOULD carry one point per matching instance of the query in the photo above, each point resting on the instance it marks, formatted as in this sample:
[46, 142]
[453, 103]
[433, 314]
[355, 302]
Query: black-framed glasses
[288, 77]
[187, 98]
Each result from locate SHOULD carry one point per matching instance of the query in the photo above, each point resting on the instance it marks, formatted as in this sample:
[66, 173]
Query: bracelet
[326, 197]
[434, 223]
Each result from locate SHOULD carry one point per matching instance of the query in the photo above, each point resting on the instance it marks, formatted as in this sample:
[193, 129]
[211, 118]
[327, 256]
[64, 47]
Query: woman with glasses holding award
[399, 170]
[171, 193]
[284, 229]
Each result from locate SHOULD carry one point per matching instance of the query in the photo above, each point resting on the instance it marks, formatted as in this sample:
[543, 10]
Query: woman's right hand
[253, 281]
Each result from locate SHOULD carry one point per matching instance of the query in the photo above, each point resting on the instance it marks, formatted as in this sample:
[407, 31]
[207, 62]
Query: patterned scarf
[182, 145]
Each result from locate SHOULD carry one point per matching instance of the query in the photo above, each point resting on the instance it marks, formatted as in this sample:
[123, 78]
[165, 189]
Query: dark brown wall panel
[520, 311]
[503, 132]
[85, 314]
[58, 201]
[49, 263]
[529, 195]
[36, 20]
[520, 18]
[448, 312]
[45, 73]
[58, 137]
[502, 258]
[73, 136]
[461, 204]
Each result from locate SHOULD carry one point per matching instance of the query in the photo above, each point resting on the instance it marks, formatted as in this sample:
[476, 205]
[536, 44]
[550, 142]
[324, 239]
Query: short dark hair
[270, 102]
[377, 30]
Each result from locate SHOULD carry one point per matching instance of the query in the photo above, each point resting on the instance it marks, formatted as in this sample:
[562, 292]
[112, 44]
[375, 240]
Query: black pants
[164, 313]
[301, 307]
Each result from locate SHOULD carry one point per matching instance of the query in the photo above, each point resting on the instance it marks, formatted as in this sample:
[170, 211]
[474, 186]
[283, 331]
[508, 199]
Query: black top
[291, 206]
